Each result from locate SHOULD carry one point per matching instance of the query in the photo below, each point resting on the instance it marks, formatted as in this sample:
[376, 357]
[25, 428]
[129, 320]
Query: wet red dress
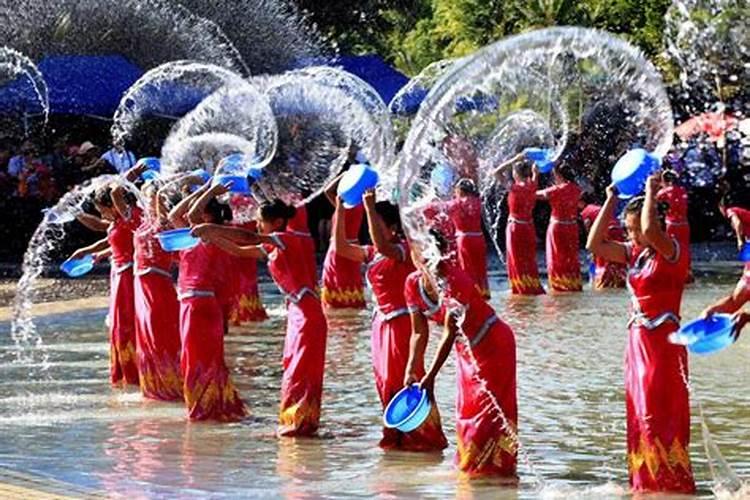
[657, 403]
[247, 306]
[466, 215]
[123, 366]
[563, 266]
[298, 226]
[391, 334]
[157, 314]
[205, 301]
[438, 219]
[677, 216]
[606, 274]
[520, 240]
[343, 286]
[486, 408]
[305, 342]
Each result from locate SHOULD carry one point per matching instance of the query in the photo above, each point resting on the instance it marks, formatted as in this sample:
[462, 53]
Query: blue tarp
[385, 79]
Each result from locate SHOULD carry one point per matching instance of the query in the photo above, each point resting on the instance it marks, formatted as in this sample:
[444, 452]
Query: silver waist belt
[154, 270]
[189, 294]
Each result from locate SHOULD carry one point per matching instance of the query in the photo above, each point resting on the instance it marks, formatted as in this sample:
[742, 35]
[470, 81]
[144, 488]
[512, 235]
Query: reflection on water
[74, 428]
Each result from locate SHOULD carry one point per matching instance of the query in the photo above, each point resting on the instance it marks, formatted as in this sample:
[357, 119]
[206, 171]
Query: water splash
[146, 32]
[29, 348]
[14, 66]
[236, 119]
[610, 94]
[170, 90]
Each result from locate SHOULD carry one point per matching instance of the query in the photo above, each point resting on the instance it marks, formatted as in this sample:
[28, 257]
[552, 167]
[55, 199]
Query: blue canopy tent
[385, 79]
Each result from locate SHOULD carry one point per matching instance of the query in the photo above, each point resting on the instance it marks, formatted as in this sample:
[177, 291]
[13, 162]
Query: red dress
[677, 216]
[157, 314]
[343, 286]
[247, 305]
[305, 342]
[657, 404]
[298, 226]
[520, 240]
[486, 408]
[391, 335]
[205, 301]
[438, 218]
[122, 352]
[606, 274]
[563, 267]
[466, 215]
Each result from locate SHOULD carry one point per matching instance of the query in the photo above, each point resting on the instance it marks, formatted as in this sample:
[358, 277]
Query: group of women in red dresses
[171, 341]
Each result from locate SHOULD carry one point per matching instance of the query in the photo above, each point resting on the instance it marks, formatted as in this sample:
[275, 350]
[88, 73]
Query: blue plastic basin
[240, 184]
[631, 171]
[358, 179]
[408, 409]
[205, 176]
[177, 239]
[149, 175]
[78, 267]
[542, 158]
[706, 336]
[744, 255]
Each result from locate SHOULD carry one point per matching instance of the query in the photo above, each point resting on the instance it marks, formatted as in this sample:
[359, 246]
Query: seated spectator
[120, 158]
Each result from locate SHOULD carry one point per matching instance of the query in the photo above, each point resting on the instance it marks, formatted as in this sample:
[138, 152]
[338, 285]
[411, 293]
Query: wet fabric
[343, 286]
[520, 241]
[563, 266]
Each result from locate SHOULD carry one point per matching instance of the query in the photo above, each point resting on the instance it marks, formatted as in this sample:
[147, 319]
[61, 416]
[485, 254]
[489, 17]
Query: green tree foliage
[414, 33]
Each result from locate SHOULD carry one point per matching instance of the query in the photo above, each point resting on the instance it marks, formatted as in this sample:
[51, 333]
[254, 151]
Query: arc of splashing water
[27, 340]
[17, 64]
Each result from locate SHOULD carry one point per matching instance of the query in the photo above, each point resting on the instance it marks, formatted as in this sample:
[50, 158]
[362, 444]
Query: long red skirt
[390, 354]
[343, 285]
[520, 257]
[247, 306]
[563, 267]
[681, 232]
[208, 390]
[486, 440]
[304, 362]
[472, 258]
[123, 369]
[658, 412]
[609, 274]
[157, 327]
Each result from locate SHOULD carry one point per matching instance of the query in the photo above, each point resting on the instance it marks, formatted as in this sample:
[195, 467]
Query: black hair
[219, 212]
[467, 186]
[103, 196]
[522, 168]
[390, 215]
[276, 209]
[635, 207]
[670, 176]
[565, 171]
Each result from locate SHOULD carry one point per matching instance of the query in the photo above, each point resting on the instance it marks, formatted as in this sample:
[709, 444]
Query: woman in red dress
[732, 303]
[676, 198]
[388, 264]
[205, 292]
[520, 233]
[486, 409]
[656, 395]
[465, 211]
[306, 334]
[157, 310]
[247, 306]
[343, 286]
[121, 217]
[298, 226]
[563, 266]
[606, 274]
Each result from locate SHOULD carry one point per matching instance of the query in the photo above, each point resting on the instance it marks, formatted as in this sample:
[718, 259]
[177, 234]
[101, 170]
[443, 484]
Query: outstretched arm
[341, 245]
[378, 231]
[444, 349]
[93, 222]
[178, 215]
[97, 246]
[330, 190]
[597, 242]
[507, 164]
[238, 235]
[652, 228]
[245, 251]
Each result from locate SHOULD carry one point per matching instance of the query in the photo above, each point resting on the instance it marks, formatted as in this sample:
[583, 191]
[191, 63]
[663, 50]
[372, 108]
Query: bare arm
[229, 246]
[330, 190]
[93, 222]
[340, 244]
[739, 229]
[420, 332]
[177, 216]
[134, 172]
[653, 232]
[238, 235]
[120, 203]
[195, 213]
[378, 231]
[597, 242]
[444, 349]
[97, 246]
[507, 164]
